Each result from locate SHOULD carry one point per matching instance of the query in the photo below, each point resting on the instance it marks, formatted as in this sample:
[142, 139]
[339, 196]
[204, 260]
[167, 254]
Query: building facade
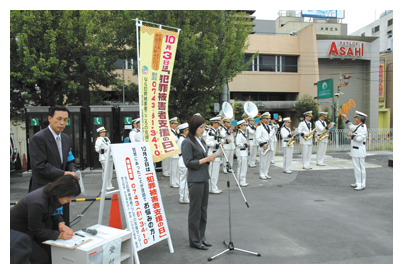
[289, 66]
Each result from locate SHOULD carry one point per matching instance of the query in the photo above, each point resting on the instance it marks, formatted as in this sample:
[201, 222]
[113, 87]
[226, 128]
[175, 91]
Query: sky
[354, 18]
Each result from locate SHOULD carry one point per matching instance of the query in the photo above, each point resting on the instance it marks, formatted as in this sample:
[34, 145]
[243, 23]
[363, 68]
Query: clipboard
[70, 245]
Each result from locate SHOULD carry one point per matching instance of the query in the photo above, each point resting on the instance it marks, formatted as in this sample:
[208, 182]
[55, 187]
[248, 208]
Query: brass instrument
[251, 110]
[310, 134]
[323, 135]
[268, 142]
[292, 140]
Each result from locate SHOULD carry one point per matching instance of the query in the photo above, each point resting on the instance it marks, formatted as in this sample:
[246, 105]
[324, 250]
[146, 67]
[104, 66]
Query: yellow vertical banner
[157, 56]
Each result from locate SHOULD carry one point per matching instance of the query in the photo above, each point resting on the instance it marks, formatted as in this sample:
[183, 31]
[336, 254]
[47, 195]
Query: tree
[306, 103]
[61, 57]
[210, 52]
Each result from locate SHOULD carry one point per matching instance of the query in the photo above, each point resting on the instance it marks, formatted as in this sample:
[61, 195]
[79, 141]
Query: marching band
[250, 137]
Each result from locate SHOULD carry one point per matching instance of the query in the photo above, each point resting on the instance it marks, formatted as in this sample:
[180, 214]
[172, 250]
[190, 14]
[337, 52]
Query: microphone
[91, 231]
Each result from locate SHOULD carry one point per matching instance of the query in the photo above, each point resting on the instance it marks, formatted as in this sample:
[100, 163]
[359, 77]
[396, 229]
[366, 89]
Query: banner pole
[139, 23]
[105, 177]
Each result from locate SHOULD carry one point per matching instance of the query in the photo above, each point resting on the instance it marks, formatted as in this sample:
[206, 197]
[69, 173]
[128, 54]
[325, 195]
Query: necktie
[59, 147]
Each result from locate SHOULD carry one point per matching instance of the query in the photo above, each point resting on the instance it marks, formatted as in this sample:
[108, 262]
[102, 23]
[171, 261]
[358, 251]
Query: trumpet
[310, 134]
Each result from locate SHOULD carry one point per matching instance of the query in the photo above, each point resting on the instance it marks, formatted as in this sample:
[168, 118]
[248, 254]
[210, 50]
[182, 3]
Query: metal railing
[377, 139]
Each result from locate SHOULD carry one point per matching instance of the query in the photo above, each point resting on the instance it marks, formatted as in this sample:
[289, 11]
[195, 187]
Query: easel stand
[112, 150]
[230, 245]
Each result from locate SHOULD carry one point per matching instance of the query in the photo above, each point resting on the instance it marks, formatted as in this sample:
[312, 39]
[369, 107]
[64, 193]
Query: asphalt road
[307, 217]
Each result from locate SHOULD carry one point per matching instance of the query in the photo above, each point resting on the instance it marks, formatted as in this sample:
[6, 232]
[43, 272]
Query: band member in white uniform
[183, 171]
[242, 146]
[304, 128]
[227, 133]
[101, 146]
[251, 130]
[321, 127]
[134, 131]
[358, 153]
[286, 135]
[274, 126]
[174, 174]
[214, 142]
[263, 135]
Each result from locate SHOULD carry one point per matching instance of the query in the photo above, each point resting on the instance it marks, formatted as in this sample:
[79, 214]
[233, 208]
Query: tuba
[226, 110]
[250, 109]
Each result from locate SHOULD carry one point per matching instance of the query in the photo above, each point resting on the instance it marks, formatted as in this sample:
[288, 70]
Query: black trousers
[197, 219]
[41, 253]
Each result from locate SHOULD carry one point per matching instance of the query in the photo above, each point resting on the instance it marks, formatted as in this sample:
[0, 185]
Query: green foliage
[66, 57]
[306, 103]
[61, 57]
[238, 111]
[210, 52]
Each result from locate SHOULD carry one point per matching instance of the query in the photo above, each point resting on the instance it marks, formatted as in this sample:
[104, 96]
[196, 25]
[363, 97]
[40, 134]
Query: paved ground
[307, 217]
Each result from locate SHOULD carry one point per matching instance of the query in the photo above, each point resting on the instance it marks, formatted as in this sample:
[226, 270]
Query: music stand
[230, 245]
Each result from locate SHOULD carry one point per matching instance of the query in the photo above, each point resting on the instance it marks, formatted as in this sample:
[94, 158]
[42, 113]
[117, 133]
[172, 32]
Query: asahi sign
[346, 48]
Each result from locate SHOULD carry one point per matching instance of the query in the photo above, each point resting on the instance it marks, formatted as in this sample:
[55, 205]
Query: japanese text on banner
[157, 57]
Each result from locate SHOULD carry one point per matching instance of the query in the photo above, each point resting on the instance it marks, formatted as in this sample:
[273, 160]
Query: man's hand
[344, 116]
[265, 146]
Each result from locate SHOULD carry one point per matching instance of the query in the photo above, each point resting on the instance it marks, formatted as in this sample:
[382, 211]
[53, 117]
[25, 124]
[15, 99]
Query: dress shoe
[359, 188]
[268, 177]
[217, 191]
[202, 247]
[272, 162]
[110, 188]
[288, 172]
[174, 186]
[245, 184]
[183, 201]
[207, 244]
[320, 164]
[262, 178]
[353, 185]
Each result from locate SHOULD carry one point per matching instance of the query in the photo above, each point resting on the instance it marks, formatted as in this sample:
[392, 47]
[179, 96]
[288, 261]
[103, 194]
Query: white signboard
[140, 194]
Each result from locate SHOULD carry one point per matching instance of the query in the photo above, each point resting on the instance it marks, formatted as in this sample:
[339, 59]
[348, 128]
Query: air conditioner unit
[290, 13]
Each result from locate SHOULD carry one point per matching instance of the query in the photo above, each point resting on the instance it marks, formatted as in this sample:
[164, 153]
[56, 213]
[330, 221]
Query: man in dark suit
[20, 247]
[49, 153]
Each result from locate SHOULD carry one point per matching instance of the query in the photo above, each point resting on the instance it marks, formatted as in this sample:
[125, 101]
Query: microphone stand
[230, 245]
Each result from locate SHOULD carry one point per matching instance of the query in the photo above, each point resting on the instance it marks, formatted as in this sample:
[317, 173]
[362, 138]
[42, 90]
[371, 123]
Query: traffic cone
[24, 163]
[114, 217]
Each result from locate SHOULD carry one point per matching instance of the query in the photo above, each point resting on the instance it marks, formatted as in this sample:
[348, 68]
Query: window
[273, 63]
[390, 22]
[375, 30]
[289, 64]
[267, 63]
[122, 63]
[246, 60]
